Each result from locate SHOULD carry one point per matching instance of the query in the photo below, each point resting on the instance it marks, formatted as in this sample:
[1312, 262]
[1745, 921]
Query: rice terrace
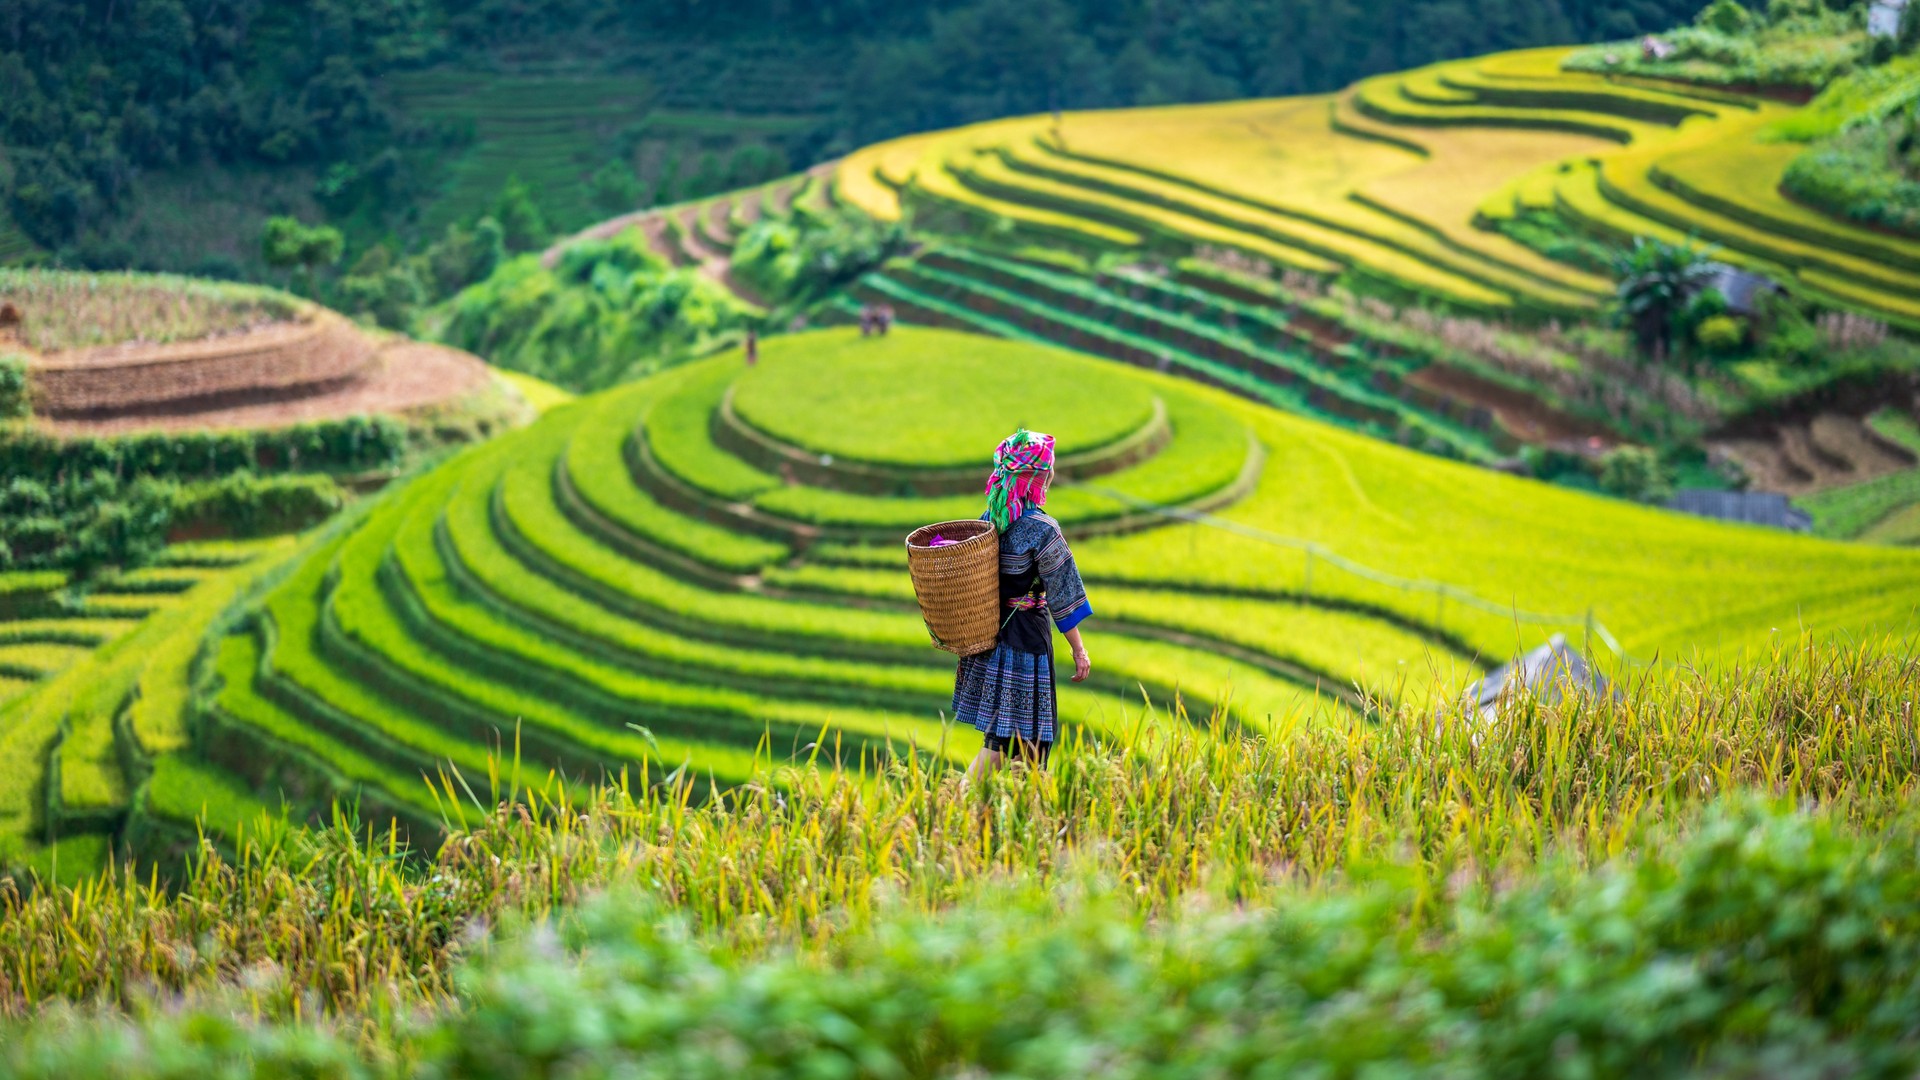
[960, 540]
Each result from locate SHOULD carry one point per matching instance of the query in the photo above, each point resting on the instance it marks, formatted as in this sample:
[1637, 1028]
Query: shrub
[1867, 174]
[16, 400]
[244, 504]
[1721, 334]
[1635, 472]
[607, 309]
[1727, 17]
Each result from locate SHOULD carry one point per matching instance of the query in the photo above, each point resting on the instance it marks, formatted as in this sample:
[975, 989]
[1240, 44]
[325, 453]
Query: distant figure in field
[866, 320]
[9, 322]
[1008, 694]
[752, 347]
[885, 317]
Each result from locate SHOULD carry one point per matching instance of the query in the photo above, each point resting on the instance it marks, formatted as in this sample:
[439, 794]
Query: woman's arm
[1082, 667]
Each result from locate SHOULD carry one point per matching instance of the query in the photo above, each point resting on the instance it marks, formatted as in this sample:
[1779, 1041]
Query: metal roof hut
[1747, 507]
[1746, 291]
[1546, 672]
[1883, 18]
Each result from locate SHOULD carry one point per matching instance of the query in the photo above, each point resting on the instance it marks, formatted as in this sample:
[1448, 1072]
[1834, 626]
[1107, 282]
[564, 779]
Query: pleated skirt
[1006, 692]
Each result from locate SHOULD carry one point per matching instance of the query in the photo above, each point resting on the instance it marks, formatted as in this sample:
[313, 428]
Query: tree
[519, 217]
[1635, 472]
[615, 188]
[1657, 282]
[287, 244]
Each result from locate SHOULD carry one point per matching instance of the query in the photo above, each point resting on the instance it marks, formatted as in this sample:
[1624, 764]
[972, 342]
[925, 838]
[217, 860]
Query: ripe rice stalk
[347, 924]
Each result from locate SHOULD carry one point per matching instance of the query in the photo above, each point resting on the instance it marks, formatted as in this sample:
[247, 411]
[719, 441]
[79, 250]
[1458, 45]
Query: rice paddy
[1399, 180]
[632, 578]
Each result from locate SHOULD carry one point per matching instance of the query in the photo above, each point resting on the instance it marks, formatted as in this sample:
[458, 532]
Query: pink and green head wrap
[1018, 482]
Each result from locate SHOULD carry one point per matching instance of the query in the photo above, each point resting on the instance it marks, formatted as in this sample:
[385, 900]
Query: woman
[1008, 693]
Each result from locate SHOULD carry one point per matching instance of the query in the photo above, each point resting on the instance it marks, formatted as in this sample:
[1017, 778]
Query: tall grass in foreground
[336, 921]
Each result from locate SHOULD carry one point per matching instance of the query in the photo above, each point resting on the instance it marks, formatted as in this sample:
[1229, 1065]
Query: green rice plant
[678, 430]
[814, 392]
[370, 643]
[583, 682]
[293, 672]
[156, 716]
[529, 522]
[38, 659]
[1345, 380]
[478, 564]
[597, 470]
[1847, 512]
[283, 742]
[193, 794]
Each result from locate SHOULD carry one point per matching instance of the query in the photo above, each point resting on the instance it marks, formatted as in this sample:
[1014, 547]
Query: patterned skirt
[1007, 693]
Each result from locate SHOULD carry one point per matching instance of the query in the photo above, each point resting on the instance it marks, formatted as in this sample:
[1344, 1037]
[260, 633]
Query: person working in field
[1008, 692]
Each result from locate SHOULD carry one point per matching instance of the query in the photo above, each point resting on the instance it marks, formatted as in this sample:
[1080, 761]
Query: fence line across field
[1440, 589]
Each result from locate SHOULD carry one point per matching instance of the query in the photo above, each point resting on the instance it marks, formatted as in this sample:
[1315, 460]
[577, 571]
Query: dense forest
[99, 97]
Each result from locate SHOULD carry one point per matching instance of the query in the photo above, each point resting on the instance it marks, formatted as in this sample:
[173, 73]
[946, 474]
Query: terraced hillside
[554, 129]
[94, 691]
[703, 233]
[1202, 326]
[704, 566]
[1398, 180]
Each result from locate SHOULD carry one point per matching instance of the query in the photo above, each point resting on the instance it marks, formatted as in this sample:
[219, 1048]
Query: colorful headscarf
[1018, 481]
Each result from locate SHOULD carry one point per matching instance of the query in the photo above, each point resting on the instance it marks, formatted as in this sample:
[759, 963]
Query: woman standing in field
[1008, 693]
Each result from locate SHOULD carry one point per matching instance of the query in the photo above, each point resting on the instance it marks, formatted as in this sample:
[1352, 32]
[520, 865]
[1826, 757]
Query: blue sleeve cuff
[1074, 618]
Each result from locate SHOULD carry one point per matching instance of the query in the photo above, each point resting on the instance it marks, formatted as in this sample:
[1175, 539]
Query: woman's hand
[1082, 667]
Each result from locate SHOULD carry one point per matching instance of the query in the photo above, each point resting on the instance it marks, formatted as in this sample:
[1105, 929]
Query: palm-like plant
[1657, 281]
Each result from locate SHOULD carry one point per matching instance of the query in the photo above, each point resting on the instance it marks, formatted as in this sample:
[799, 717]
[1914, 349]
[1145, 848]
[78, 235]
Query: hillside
[394, 122]
[703, 565]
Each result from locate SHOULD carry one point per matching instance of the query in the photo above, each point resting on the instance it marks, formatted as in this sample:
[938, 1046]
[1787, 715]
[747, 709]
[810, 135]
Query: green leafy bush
[16, 400]
[82, 522]
[244, 504]
[807, 256]
[1801, 44]
[1635, 472]
[1870, 174]
[607, 310]
[1720, 333]
[351, 444]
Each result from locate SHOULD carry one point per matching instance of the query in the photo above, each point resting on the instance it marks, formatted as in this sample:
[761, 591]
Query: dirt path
[404, 376]
[719, 227]
[1521, 414]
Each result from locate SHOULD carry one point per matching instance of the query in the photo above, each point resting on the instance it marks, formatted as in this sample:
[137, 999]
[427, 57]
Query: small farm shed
[1546, 671]
[1883, 17]
[1748, 507]
[1745, 290]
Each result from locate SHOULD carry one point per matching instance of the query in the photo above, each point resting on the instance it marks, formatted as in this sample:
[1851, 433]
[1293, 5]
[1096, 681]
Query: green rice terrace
[701, 570]
[505, 649]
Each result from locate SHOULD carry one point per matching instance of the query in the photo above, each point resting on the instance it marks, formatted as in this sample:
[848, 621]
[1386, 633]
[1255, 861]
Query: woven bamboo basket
[958, 584]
